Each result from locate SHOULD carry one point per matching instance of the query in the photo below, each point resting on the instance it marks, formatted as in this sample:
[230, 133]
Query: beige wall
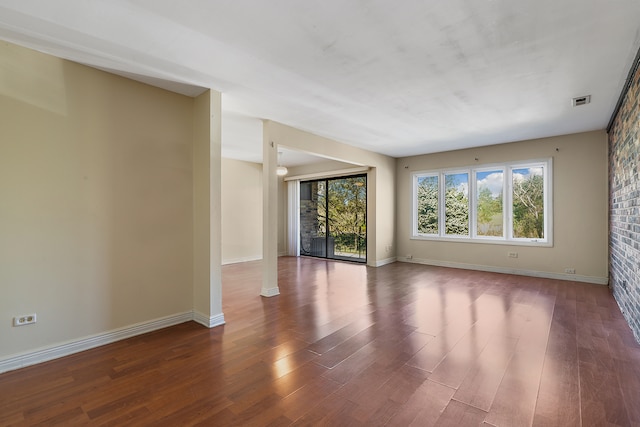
[380, 184]
[319, 168]
[96, 201]
[580, 209]
[241, 211]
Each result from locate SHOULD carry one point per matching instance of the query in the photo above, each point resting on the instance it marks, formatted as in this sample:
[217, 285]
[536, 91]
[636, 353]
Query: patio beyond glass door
[333, 218]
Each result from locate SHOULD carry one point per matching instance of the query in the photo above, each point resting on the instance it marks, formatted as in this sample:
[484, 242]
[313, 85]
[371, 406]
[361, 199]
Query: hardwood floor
[345, 344]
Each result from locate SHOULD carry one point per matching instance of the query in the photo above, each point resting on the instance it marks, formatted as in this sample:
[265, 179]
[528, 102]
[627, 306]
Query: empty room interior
[320, 213]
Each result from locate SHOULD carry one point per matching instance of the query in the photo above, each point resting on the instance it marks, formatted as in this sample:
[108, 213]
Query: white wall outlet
[570, 270]
[409, 256]
[512, 254]
[26, 319]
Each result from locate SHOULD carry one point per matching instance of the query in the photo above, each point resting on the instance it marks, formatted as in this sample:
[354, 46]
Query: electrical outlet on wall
[25, 319]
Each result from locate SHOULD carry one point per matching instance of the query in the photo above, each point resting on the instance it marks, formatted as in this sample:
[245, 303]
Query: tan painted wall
[320, 167]
[241, 211]
[381, 215]
[580, 208]
[96, 215]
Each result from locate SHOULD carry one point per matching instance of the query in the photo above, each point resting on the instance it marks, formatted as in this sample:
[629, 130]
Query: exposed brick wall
[309, 219]
[624, 206]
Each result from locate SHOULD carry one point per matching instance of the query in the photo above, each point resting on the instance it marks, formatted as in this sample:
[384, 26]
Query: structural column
[207, 214]
[269, 215]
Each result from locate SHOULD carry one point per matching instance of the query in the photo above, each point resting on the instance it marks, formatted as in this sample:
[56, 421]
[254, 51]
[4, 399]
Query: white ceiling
[396, 77]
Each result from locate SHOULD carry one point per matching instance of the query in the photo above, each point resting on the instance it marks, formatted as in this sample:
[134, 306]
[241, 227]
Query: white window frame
[442, 212]
[414, 198]
[507, 209]
[474, 201]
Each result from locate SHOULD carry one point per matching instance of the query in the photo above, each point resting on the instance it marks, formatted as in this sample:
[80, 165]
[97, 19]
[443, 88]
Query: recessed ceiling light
[581, 100]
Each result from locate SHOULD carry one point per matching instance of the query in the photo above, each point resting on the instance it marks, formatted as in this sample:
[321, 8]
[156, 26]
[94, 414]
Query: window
[489, 203]
[456, 204]
[427, 202]
[528, 202]
[507, 203]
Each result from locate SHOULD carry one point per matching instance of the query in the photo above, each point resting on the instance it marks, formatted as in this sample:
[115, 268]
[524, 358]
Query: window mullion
[442, 206]
[509, 203]
[473, 204]
[505, 204]
[414, 198]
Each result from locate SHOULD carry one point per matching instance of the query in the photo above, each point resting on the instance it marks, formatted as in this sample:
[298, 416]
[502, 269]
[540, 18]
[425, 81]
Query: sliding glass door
[333, 218]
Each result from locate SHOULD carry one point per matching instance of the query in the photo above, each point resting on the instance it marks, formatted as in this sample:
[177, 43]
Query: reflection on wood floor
[345, 344]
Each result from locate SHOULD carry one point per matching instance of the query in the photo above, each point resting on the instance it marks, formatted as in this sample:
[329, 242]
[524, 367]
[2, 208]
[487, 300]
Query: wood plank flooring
[349, 345]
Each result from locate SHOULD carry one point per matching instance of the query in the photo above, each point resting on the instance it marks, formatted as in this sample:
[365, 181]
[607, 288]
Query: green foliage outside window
[527, 199]
[347, 207]
[490, 215]
[528, 204]
[428, 205]
[456, 204]
[347, 211]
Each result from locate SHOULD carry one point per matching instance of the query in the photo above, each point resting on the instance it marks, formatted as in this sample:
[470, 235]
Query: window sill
[489, 241]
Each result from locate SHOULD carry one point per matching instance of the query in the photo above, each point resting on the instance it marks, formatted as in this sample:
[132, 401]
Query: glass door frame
[327, 251]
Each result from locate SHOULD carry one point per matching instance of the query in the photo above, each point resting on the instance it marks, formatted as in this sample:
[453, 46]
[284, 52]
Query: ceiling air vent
[581, 100]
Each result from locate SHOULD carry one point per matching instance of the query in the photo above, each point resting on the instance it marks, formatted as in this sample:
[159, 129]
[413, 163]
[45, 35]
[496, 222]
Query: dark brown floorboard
[345, 344]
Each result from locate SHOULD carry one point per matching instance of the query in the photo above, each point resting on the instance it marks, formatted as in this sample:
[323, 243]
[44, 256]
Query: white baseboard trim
[208, 321]
[385, 261]
[271, 292]
[239, 260]
[65, 349]
[532, 273]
